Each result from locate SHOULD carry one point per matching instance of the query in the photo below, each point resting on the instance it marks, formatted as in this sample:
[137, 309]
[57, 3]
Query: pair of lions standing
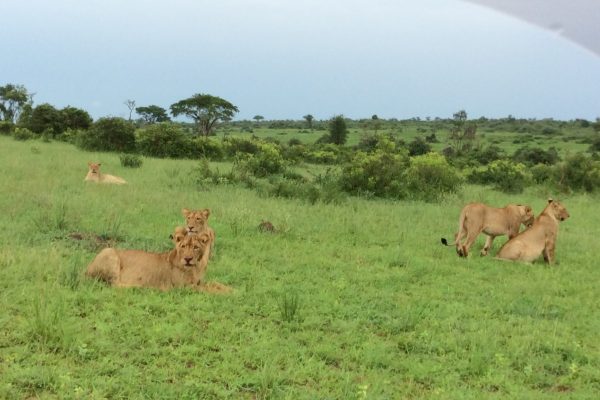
[538, 239]
[183, 266]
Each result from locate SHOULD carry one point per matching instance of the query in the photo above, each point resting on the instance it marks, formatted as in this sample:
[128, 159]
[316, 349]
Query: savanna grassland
[350, 300]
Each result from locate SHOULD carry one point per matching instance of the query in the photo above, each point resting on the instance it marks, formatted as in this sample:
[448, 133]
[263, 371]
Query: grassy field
[350, 301]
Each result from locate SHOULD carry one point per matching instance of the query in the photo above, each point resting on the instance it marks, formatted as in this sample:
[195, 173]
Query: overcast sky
[283, 59]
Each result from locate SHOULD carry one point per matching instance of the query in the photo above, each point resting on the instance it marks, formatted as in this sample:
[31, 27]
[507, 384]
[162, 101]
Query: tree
[258, 118]
[309, 118]
[462, 134]
[76, 118]
[206, 111]
[152, 114]
[46, 117]
[12, 100]
[338, 131]
[375, 123]
[130, 105]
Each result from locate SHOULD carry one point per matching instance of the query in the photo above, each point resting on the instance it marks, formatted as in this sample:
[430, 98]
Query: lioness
[478, 217]
[539, 239]
[182, 266]
[94, 175]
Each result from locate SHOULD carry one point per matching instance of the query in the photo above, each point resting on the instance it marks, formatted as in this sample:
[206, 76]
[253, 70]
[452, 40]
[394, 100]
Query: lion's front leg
[549, 250]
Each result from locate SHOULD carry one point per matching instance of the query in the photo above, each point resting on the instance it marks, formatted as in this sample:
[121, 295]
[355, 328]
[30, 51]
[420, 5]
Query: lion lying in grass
[94, 175]
[184, 266]
[539, 239]
[478, 217]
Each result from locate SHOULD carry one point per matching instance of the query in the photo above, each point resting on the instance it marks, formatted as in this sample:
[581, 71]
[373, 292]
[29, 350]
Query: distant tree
[338, 132]
[46, 117]
[309, 119]
[130, 105]
[152, 114]
[596, 125]
[462, 134]
[75, 118]
[258, 118]
[12, 100]
[375, 123]
[206, 111]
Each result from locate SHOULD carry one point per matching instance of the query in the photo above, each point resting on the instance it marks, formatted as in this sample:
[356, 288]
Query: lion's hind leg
[106, 266]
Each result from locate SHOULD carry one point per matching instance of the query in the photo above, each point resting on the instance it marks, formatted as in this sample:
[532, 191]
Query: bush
[430, 177]
[6, 127]
[504, 175]
[542, 173]
[203, 147]
[418, 147]
[488, 154]
[131, 160]
[267, 161]
[109, 134]
[163, 140]
[378, 173]
[579, 172]
[535, 155]
[22, 134]
[235, 145]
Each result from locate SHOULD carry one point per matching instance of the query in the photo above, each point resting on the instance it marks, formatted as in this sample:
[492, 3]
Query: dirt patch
[92, 240]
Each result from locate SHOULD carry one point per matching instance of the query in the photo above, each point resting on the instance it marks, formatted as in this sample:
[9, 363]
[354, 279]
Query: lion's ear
[550, 200]
[206, 213]
[528, 208]
[185, 212]
[204, 238]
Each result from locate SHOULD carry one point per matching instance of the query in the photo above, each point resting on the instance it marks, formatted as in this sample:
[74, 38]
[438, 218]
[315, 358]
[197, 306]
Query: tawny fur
[94, 175]
[539, 239]
[196, 222]
[476, 218]
[184, 266]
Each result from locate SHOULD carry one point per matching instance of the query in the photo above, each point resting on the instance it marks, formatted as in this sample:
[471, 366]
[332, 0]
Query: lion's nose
[188, 259]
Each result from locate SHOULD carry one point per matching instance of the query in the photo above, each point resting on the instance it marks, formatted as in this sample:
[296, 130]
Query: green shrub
[578, 172]
[235, 145]
[418, 147]
[378, 173]
[267, 161]
[542, 173]
[163, 140]
[109, 134]
[22, 134]
[535, 155]
[504, 175]
[6, 127]
[207, 148]
[430, 177]
[131, 160]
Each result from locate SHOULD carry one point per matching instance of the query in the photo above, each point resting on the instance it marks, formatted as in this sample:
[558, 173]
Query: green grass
[350, 301]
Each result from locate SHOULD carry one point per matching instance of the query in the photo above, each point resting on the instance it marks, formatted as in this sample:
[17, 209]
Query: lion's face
[527, 216]
[558, 210]
[94, 168]
[196, 221]
[190, 250]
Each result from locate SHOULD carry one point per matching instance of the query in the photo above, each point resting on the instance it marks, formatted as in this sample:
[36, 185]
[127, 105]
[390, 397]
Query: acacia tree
[130, 105]
[12, 100]
[152, 114]
[258, 118]
[309, 118]
[206, 111]
[462, 134]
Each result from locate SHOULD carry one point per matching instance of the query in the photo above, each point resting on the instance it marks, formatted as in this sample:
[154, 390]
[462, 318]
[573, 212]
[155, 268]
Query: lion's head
[94, 168]
[190, 250]
[196, 221]
[527, 215]
[557, 210]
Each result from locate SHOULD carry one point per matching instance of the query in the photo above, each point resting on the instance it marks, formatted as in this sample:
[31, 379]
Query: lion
[539, 239]
[196, 222]
[184, 266]
[94, 175]
[478, 217]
